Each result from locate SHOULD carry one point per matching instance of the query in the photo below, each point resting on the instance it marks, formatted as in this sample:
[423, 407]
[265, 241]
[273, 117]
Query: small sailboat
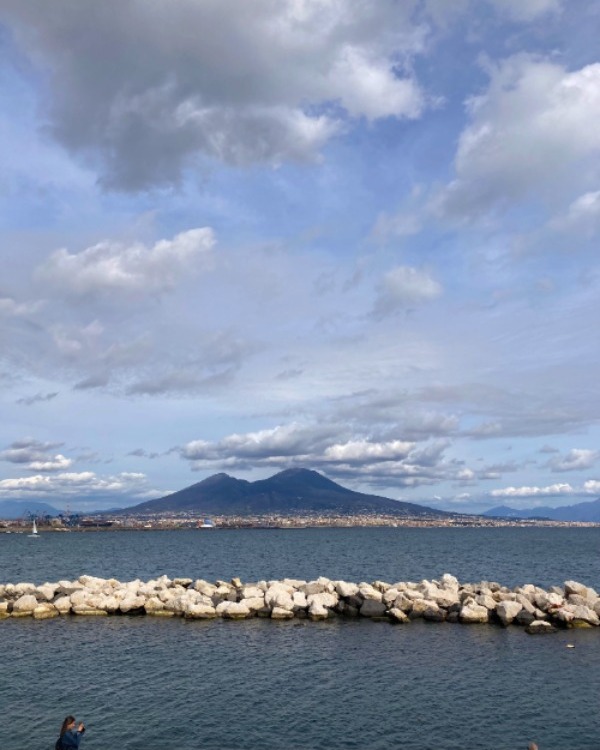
[34, 532]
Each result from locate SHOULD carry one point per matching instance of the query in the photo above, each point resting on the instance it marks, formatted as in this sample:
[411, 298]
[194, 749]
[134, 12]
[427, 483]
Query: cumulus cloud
[405, 287]
[575, 460]
[37, 456]
[77, 485]
[242, 83]
[530, 129]
[553, 490]
[363, 459]
[113, 268]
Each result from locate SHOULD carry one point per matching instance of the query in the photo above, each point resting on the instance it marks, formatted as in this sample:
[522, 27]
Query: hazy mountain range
[588, 511]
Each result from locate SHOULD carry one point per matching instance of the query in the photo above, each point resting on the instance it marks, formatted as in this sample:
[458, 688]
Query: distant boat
[206, 524]
[34, 532]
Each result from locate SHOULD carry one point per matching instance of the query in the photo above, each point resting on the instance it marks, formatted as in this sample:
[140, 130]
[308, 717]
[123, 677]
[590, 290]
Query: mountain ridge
[288, 491]
[588, 511]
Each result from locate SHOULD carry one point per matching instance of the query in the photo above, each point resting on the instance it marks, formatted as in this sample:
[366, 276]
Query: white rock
[346, 589]
[46, 591]
[507, 611]
[474, 613]
[44, 611]
[200, 612]
[25, 604]
[397, 615]
[278, 613]
[254, 603]
[24, 588]
[368, 592]
[232, 610]
[573, 587]
[325, 599]
[63, 604]
[279, 596]
[251, 592]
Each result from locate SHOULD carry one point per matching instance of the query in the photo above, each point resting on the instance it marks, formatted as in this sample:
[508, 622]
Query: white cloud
[592, 486]
[582, 216]
[533, 128]
[10, 307]
[575, 460]
[553, 490]
[368, 451]
[260, 82]
[75, 484]
[404, 287]
[35, 455]
[111, 267]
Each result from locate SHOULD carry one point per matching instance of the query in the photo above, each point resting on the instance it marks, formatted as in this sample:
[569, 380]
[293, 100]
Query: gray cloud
[37, 398]
[528, 131]
[241, 83]
[35, 455]
[331, 448]
[576, 459]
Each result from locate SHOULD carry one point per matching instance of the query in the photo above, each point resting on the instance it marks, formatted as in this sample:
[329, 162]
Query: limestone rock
[46, 592]
[44, 611]
[280, 597]
[233, 610]
[474, 613]
[24, 605]
[279, 613]
[200, 612]
[346, 589]
[62, 605]
[573, 587]
[507, 611]
[397, 615]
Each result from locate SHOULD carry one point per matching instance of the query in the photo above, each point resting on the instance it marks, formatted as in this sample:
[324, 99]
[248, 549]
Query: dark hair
[65, 724]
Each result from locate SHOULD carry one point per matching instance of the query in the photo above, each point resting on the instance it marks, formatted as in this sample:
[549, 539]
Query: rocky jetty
[537, 609]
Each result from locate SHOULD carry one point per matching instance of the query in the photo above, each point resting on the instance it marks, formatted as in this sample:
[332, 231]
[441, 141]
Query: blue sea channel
[142, 683]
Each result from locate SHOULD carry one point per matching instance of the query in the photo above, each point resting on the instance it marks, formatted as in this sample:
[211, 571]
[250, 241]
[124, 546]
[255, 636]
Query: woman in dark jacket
[69, 736]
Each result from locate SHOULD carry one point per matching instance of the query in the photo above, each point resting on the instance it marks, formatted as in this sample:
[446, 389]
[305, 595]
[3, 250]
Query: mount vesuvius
[288, 492]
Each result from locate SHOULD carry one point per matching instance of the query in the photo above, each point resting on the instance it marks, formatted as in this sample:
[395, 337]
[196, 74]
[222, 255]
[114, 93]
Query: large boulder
[373, 608]
[24, 605]
[507, 611]
[44, 611]
[346, 590]
[200, 611]
[46, 592]
[397, 615]
[233, 610]
[279, 613]
[573, 587]
[279, 596]
[473, 613]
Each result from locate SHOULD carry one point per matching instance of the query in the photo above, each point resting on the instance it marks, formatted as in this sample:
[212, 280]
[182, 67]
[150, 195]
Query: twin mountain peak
[290, 491]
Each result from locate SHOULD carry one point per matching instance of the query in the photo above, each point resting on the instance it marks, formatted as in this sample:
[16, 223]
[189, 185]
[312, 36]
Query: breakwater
[443, 600]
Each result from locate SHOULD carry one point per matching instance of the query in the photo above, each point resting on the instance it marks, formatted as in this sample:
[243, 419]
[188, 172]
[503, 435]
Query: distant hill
[11, 509]
[290, 491]
[588, 511]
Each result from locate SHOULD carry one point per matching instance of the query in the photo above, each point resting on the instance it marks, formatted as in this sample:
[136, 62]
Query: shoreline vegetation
[538, 610]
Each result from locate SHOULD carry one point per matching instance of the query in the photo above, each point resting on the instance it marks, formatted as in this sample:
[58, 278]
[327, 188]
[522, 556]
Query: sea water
[146, 683]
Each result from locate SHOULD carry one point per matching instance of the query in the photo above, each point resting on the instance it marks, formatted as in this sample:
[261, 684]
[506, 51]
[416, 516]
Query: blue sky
[356, 237]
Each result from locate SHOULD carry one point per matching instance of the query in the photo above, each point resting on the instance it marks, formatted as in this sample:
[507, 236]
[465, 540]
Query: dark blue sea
[152, 684]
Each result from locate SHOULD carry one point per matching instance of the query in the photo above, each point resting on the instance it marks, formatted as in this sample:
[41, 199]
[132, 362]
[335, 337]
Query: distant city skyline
[359, 238]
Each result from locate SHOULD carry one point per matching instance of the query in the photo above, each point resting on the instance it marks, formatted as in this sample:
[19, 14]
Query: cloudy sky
[359, 237]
